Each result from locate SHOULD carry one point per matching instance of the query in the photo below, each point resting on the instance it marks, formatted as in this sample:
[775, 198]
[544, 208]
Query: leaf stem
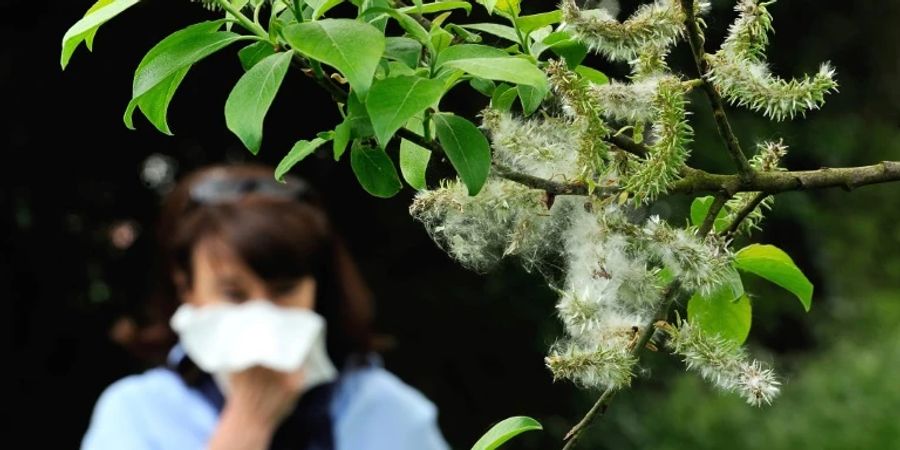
[245, 22]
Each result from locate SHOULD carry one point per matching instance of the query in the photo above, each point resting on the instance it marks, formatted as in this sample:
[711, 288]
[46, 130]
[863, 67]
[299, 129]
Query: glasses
[221, 189]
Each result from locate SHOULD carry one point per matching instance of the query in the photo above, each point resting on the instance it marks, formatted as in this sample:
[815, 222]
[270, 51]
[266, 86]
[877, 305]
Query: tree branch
[696, 181]
[695, 40]
[847, 178]
[602, 403]
[550, 186]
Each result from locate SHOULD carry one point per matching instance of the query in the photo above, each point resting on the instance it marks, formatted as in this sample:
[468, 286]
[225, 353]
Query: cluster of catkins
[616, 271]
[617, 267]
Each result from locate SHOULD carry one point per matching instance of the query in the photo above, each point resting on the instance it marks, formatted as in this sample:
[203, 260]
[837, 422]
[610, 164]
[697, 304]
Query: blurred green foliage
[844, 396]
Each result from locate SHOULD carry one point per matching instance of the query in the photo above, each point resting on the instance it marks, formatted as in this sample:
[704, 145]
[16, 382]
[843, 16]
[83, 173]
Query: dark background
[472, 343]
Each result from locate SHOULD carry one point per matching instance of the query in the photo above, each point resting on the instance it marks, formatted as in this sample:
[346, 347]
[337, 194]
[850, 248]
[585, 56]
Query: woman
[257, 277]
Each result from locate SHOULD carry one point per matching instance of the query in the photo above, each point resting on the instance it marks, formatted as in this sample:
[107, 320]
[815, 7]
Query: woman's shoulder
[153, 385]
[374, 405]
[142, 408]
[373, 386]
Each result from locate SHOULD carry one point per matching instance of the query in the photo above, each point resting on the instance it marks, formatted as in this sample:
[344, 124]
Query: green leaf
[450, 78]
[468, 51]
[466, 147]
[379, 22]
[593, 75]
[154, 104]
[486, 87]
[511, 69]
[530, 98]
[86, 28]
[436, 7]
[730, 319]
[506, 430]
[501, 31]
[506, 8]
[354, 48]
[413, 157]
[252, 96]
[326, 135]
[440, 39]
[413, 28]
[177, 51]
[254, 53]
[92, 33]
[398, 69]
[393, 101]
[489, 5]
[464, 34]
[510, 7]
[775, 265]
[358, 118]
[403, 49]
[562, 43]
[700, 207]
[532, 22]
[301, 150]
[342, 134]
[438, 21]
[503, 98]
[374, 170]
[413, 163]
[324, 7]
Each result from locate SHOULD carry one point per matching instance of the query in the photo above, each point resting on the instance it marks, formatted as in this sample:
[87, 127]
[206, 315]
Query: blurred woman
[273, 323]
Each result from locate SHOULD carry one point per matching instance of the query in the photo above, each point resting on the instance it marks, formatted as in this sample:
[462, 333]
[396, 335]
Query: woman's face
[220, 275]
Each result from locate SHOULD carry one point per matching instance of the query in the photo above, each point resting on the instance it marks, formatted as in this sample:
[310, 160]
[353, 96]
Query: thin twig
[419, 140]
[671, 294]
[337, 93]
[695, 40]
[597, 410]
[743, 213]
[627, 144]
[714, 209]
[550, 186]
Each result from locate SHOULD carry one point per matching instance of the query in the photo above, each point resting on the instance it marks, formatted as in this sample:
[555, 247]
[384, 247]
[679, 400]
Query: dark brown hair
[280, 230]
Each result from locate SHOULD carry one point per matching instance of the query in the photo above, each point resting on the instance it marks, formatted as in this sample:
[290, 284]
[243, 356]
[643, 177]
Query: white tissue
[226, 337]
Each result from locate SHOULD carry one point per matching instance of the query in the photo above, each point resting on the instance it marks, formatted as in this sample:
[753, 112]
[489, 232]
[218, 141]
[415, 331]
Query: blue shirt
[371, 409]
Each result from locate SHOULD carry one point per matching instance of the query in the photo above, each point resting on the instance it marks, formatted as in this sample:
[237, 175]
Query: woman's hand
[258, 400]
